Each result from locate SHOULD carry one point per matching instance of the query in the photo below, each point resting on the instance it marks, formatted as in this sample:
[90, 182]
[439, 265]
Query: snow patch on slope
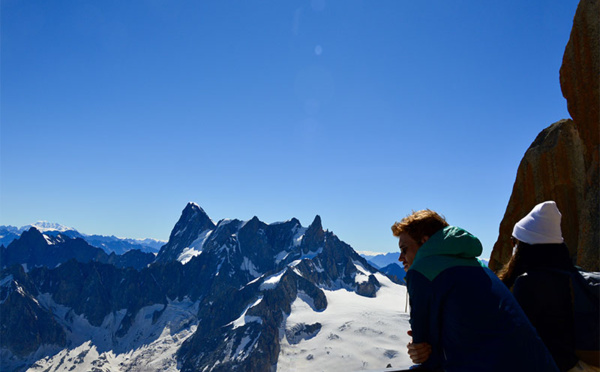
[248, 265]
[195, 248]
[243, 319]
[297, 239]
[362, 274]
[187, 254]
[272, 281]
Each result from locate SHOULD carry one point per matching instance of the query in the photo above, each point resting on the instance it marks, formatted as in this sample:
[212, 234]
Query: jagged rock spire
[191, 224]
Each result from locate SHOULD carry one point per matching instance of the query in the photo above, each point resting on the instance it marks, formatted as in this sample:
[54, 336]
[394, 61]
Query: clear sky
[116, 114]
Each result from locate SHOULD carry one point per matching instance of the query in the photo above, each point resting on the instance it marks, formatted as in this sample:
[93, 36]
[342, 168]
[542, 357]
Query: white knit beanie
[540, 226]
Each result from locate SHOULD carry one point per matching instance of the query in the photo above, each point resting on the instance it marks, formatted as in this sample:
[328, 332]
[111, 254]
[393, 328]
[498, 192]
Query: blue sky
[116, 114]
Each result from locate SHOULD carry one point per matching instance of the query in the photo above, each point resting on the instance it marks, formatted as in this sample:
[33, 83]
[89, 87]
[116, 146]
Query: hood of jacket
[451, 246]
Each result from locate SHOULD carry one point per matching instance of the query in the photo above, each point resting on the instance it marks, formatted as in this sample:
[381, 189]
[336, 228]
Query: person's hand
[418, 353]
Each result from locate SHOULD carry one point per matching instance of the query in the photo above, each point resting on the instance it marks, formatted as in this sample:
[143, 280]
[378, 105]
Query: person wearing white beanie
[539, 275]
[540, 226]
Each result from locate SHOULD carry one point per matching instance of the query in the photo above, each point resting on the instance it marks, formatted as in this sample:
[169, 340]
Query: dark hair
[535, 256]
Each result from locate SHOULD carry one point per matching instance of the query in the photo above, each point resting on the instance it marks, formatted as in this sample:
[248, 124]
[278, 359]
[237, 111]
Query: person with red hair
[463, 318]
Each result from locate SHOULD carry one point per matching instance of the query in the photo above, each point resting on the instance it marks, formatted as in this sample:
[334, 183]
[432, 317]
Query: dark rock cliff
[24, 322]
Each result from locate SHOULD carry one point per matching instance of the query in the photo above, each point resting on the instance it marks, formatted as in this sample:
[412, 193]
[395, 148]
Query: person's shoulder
[432, 266]
[415, 274]
[540, 277]
[527, 279]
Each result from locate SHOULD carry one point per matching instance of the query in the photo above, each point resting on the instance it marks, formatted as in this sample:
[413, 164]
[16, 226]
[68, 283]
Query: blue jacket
[466, 313]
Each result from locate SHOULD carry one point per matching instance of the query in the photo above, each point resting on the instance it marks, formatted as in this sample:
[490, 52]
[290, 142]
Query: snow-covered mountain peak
[45, 226]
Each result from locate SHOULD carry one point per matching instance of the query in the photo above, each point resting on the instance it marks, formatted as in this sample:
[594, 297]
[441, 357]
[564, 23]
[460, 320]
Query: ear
[424, 239]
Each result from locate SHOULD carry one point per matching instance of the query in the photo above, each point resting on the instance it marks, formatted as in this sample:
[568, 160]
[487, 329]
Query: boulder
[562, 162]
[580, 71]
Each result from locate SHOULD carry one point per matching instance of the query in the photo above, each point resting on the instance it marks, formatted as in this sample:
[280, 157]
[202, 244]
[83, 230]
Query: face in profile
[408, 249]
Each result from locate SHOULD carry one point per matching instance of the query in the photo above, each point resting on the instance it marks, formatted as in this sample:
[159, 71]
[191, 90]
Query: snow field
[357, 333]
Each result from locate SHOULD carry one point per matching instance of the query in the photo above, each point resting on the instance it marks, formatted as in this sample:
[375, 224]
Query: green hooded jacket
[468, 316]
[447, 248]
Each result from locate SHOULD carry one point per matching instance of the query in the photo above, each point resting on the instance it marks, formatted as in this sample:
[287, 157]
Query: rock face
[192, 223]
[562, 163]
[29, 322]
[579, 81]
[580, 70]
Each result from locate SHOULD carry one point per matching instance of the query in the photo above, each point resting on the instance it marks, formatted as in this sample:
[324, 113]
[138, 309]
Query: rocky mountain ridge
[242, 280]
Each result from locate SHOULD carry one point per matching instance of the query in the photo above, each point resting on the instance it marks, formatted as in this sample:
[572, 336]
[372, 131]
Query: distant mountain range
[231, 295]
[34, 249]
[109, 244]
[387, 263]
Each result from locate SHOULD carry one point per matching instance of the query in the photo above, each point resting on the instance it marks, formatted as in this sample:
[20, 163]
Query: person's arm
[420, 349]
[418, 353]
